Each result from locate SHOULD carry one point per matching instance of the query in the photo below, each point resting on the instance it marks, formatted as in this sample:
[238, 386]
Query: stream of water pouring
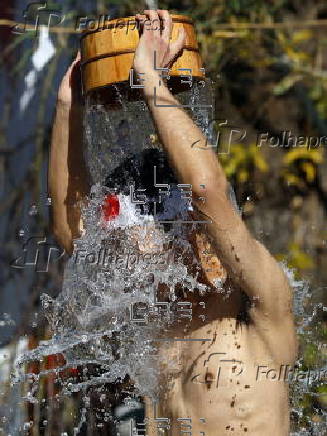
[92, 320]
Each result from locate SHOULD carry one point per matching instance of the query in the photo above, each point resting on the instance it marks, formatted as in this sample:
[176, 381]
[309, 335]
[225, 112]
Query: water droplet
[27, 425]
[33, 210]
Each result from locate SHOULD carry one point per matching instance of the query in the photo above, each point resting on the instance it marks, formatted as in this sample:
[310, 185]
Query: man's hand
[69, 89]
[155, 48]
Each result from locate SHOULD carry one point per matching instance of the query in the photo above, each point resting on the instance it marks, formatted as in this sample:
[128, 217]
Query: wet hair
[139, 171]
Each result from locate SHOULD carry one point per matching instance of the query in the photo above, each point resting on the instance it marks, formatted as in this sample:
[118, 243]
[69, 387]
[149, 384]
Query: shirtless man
[233, 382]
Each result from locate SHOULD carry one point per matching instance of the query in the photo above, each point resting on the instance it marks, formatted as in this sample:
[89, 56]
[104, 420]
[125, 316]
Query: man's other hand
[156, 30]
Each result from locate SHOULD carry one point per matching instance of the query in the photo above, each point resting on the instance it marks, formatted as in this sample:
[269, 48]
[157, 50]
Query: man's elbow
[213, 200]
[64, 239]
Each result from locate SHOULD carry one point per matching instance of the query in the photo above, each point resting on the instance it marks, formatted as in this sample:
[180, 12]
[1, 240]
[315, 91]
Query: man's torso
[223, 382]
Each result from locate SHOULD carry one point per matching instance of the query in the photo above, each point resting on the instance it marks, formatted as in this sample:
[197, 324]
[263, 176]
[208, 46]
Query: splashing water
[308, 315]
[118, 266]
[98, 321]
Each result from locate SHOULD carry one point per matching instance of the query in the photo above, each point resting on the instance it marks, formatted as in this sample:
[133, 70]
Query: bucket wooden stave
[108, 53]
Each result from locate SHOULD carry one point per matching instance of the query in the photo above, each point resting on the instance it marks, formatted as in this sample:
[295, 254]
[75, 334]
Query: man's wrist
[153, 83]
[65, 106]
[147, 75]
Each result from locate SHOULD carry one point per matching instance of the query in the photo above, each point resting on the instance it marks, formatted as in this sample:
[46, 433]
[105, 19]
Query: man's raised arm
[67, 175]
[246, 260]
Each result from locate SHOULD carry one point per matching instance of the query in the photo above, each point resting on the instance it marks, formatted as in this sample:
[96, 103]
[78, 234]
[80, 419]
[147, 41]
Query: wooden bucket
[108, 53]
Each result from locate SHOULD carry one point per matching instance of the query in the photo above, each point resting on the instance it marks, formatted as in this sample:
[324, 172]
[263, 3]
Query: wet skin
[219, 372]
[268, 338]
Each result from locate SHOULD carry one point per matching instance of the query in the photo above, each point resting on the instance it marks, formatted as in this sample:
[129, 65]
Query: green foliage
[300, 166]
[296, 258]
[310, 356]
[322, 391]
[242, 161]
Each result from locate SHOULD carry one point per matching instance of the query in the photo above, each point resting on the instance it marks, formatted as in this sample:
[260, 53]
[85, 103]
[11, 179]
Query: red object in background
[56, 361]
[110, 207]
